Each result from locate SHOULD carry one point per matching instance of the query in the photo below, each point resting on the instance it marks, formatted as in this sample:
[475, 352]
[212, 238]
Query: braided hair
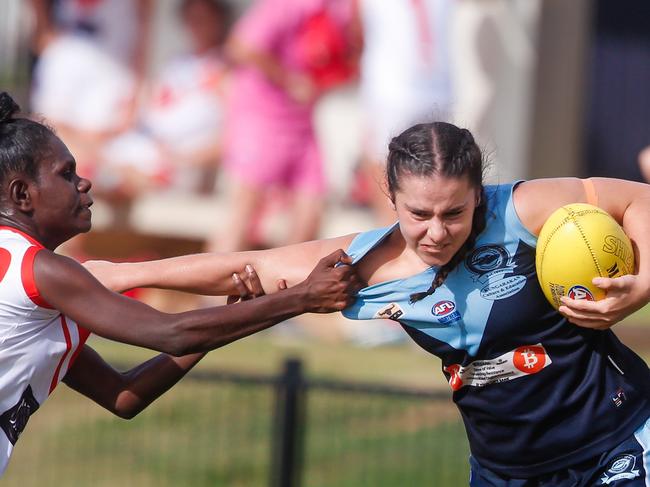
[446, 150]
[23, 142]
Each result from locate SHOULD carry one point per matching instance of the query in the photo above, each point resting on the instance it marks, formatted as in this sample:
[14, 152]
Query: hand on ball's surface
[580, 242]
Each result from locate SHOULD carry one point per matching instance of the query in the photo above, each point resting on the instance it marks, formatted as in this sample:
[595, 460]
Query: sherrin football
[577, 243]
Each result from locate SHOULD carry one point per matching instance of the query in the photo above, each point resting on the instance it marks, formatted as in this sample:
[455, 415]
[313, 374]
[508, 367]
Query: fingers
[254, 284]
[281, 284]
[618, 283]
[338, 256]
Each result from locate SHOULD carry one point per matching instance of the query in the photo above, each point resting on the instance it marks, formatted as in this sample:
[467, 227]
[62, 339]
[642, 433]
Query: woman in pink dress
[286, 52]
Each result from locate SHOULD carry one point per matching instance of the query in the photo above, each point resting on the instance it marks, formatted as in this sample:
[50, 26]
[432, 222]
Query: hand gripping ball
[577, 243]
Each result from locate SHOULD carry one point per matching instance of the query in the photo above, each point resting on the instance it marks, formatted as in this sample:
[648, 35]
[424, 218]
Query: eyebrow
[453, 209]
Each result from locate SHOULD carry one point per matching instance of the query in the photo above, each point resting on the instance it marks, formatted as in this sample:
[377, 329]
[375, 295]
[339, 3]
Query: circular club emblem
[487, 258]
[580, 292]
[530, 359]
[443, 308]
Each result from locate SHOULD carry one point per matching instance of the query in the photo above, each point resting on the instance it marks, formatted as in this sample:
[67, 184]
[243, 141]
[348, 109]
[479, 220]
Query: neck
[26, 228]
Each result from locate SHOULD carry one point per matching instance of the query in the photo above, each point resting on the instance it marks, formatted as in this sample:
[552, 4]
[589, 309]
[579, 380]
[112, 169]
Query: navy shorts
[626, 465]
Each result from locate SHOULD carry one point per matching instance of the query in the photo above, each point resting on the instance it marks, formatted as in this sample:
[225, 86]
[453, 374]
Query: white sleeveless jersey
[37, 343]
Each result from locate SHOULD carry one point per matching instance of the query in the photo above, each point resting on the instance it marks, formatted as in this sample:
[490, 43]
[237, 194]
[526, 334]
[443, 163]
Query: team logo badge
[580, 292]
[14, 420]
[392, 311]
[622, 467]
[493, 267]
[487, 259]
[445, 311]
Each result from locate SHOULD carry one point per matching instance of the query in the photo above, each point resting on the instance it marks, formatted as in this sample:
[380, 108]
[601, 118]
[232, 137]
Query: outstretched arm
[126, 394]
[68, 287]
[629, 204]
[210, 273]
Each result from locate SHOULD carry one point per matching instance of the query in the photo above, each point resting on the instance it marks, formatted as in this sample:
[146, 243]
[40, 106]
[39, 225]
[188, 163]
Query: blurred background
[241, 124]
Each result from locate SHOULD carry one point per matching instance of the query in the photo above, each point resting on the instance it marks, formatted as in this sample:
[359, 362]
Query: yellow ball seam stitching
[582, 234]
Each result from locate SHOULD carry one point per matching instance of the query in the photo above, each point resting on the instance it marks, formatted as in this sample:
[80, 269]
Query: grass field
[219, 433]
[204, 434]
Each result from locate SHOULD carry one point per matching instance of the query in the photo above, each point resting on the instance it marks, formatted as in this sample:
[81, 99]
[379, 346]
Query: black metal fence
[220, 428]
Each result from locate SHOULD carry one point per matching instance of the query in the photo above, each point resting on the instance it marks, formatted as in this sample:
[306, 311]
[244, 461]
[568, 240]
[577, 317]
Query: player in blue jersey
[548, 398]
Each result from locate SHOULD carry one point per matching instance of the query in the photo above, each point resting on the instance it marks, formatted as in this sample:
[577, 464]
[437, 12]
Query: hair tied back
[8, 107]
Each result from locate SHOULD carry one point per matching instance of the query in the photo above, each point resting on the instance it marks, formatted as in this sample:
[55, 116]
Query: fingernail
[249, 268]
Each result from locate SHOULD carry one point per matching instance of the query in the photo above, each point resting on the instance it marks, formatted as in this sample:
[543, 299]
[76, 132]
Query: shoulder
[535, 200]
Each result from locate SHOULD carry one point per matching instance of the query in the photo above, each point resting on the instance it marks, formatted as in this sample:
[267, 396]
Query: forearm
[150, 380]
[126, 394]
[209, 273]
[204, 330]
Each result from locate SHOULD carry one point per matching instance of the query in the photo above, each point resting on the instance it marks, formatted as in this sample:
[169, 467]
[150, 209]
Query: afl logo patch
[580, 292]
[445, 311]
[443, 308]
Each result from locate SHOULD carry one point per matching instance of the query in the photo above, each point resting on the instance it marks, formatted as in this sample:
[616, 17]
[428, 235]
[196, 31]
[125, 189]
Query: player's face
[61, 200]
[435, 215]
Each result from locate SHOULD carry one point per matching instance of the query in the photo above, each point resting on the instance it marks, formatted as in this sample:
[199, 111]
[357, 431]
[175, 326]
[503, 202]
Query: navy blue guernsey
[536, 393]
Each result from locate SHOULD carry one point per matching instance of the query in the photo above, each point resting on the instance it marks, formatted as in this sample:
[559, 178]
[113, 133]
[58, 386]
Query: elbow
[127, 413]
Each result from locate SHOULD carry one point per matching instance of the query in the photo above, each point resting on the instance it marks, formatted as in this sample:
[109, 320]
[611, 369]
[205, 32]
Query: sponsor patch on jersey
[14, 419]
[445, 311]
[491, 266]
[520, 362]
[622, 467]
[580, 292]
[391, 311]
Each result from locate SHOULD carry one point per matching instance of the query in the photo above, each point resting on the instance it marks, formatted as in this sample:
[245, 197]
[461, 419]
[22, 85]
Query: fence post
[289, 424]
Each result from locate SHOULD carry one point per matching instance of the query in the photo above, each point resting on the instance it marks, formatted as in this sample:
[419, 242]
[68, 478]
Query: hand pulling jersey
[536, 393]
[37, 343]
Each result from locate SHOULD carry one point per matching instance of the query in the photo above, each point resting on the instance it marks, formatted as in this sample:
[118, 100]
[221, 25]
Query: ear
[20, 194]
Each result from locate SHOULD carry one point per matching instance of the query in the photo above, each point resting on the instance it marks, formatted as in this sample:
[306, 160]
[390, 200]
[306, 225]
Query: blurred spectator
[286, 53]
[405, 78]
[176, 139]
[90, 65]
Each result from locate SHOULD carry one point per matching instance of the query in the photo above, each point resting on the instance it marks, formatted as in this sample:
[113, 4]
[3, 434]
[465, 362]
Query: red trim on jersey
[68, 347]
[27, 276]
[83, 336]
[31, 239]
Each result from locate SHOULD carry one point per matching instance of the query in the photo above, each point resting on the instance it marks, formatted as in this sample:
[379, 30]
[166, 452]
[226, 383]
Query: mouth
[434, 249]
[85, 207]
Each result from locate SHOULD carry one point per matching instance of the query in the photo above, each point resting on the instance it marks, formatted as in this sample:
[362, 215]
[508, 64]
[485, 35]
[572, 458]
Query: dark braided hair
[439, 148]
[23, 142]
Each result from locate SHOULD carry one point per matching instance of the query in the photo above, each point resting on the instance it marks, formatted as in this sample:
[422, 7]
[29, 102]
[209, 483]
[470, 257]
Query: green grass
[202, 434]
[219, 433]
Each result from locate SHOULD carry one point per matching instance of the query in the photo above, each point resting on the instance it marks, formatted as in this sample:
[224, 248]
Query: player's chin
[435, 259]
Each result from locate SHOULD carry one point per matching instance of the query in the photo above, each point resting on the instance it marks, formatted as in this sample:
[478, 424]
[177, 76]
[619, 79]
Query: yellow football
[577, 243]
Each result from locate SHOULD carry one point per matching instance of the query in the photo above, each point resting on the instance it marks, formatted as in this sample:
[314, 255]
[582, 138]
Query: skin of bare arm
[81, 297]
[629, 204]
[210, 273]
[125, 394]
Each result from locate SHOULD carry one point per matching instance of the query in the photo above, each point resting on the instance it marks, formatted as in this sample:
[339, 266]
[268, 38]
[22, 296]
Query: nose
[437, 231]
[84, 185]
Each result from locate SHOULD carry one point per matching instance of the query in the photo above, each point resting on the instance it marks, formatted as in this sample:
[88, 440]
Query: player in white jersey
[50, 303]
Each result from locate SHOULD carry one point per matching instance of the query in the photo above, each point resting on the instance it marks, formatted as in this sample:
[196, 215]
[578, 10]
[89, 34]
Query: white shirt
[37, 343]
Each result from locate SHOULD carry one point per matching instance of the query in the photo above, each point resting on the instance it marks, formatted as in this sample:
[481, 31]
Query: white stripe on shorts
[642, 435]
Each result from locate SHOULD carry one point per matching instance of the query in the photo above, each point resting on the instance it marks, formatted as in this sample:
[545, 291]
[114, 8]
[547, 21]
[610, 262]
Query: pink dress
[269, 137]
